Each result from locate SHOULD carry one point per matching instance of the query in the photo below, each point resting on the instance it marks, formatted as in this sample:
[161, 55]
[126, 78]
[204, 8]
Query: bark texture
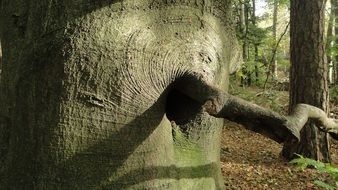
[111, 94]
[88, 93]
[308, 74]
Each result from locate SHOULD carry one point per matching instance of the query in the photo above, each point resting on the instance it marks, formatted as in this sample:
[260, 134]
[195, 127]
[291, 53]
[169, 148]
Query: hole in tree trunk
[180, 108]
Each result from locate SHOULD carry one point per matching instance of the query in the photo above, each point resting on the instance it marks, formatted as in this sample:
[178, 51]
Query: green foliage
[332, 49]
[323, 185]
[280, 2]
[334, 93]
[254, 35]
[258, 43]
[302, 163]
[275, 100]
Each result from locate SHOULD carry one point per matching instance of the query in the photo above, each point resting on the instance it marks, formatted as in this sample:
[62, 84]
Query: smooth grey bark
[85, 86]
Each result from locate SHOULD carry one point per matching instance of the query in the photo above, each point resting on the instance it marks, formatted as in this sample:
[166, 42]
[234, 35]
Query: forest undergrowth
[251, 161]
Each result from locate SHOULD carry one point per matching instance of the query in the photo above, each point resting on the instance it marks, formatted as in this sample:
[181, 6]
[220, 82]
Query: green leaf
[330, 169]
[303, 163]
[324, 185]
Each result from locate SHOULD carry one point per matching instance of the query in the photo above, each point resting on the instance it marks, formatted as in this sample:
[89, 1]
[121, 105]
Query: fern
[303, 163]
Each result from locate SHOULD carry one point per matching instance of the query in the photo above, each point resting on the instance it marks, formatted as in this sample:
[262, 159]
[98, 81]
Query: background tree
[254, 23]
[264, 41]
[0, 57]
[274, 64]
[308, 74]
[329, 42]
[334, 12]
[251, 37]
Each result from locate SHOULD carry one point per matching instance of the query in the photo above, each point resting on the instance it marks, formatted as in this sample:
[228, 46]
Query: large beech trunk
[86, 93]
[120, 95]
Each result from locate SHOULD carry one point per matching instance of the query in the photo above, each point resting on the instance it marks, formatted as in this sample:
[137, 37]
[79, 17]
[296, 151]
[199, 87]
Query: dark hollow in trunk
[181, 108]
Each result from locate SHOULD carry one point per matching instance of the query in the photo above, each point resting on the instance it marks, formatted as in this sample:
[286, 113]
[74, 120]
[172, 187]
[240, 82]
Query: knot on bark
[213, 106]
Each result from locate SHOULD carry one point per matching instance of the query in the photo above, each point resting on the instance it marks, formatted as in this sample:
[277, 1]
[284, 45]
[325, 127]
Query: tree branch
[303, 112]
[253, 117]
[274, 54]
[264, 121]
[268, 122]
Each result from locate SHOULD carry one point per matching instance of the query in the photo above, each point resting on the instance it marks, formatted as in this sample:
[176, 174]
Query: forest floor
[251, 161]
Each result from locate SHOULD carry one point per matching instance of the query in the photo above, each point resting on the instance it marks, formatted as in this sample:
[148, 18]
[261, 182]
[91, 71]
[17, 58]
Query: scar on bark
[267, 122]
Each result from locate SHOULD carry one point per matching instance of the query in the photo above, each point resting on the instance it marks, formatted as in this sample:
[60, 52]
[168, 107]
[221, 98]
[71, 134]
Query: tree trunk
[246, 80]
[328, 45]
[87, 93]
[0, 58]
[253, 18]
[247, 42]
[308, 75]
[274, 36]
[334, 9]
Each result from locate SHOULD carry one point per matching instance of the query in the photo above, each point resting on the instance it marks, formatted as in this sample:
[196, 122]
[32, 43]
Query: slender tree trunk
[274, 35]
[253, 18]
[328, 46]
[244, 18]
[308, 77]
[0, 58]
[243, 30]
[247, 46]
[244, 43]
[334, 9]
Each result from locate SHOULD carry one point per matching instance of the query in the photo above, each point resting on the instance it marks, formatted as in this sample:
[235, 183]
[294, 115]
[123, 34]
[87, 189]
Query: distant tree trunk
[247, 15]
[0, 58]
[334, 7]
[274, 35]
[244, 30]
[329, 36]
[253, 18]
[308, 75]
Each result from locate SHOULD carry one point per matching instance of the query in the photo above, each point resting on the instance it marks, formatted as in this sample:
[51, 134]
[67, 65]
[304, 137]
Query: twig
[274, 53]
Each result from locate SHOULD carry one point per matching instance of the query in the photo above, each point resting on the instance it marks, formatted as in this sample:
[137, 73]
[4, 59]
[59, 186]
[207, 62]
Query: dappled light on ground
[251, 161]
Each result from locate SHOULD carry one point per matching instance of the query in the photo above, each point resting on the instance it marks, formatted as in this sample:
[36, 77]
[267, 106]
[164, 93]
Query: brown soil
[251, 161]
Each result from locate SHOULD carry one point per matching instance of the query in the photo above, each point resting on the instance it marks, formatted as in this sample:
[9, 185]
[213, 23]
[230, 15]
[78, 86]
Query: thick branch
[253, 117]
[303, 112]
[267, 122]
